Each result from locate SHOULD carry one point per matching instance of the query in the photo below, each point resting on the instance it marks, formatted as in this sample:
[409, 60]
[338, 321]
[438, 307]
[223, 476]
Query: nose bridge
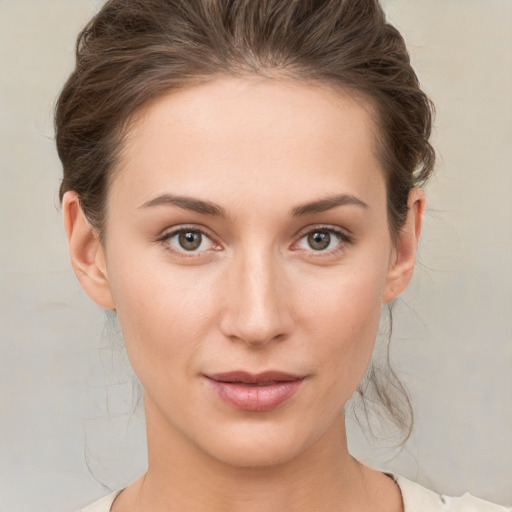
[256, 312]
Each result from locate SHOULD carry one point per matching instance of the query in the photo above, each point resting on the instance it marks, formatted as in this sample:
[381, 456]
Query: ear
[404, 256]
[86, 252]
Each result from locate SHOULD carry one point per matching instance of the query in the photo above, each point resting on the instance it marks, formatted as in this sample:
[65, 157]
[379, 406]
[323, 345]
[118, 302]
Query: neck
[180, 477]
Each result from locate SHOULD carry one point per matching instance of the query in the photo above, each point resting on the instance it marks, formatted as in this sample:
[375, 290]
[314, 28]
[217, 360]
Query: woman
[242, 186]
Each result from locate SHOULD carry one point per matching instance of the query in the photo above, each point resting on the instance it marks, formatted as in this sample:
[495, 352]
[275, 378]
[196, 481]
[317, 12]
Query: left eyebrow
[327, 203]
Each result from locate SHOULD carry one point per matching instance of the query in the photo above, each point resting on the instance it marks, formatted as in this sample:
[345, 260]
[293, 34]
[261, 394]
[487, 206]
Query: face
[246, 234]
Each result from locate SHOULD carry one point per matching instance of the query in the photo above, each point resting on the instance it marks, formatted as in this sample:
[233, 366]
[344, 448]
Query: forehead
[233, 132]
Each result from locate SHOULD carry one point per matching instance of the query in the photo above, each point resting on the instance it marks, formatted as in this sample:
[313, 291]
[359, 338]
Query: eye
[319, 240]
[188, 240]
[326, 240]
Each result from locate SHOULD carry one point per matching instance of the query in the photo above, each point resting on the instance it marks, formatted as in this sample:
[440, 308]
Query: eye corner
[343, 237]
[172, 240]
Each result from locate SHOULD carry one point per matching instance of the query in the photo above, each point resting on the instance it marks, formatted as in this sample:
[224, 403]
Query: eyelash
[343, 240]
[343, 237]
[164, 240]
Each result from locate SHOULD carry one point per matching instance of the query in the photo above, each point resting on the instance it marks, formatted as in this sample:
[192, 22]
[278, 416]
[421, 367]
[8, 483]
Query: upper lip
[254, 378]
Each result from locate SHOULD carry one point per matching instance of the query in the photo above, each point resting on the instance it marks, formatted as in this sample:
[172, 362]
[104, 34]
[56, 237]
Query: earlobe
[402, 267]
[86, 252]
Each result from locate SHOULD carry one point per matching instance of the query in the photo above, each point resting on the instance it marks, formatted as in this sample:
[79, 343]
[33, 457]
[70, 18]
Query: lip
[255, 392]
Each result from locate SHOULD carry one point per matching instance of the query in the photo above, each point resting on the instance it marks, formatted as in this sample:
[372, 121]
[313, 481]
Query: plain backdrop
[69, 428]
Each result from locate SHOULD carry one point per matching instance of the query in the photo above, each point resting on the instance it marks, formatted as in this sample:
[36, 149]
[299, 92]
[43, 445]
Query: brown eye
[319, 240]
[190, 240]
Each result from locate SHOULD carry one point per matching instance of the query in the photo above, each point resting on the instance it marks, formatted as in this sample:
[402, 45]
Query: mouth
[255, 392]
[256, 379]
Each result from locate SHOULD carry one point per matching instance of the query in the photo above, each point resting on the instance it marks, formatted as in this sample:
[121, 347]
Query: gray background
[67, 396]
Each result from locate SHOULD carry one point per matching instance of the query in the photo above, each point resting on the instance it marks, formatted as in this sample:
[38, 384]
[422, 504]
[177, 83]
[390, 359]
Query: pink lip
[255, 392]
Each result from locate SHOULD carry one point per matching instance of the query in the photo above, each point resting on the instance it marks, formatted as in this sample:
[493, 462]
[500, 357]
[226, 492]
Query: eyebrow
[187, 203]
[327, 203]
[208, 208]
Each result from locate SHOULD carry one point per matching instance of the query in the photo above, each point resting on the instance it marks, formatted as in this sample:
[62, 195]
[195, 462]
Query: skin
[255, 296]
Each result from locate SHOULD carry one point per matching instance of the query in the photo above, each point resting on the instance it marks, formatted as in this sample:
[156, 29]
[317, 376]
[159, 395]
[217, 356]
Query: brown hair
[132, 51]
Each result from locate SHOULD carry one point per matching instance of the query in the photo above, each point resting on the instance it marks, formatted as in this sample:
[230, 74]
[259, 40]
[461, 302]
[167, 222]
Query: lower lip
[255, 398]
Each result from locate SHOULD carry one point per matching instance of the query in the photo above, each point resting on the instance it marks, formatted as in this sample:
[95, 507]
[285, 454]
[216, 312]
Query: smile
[254, 392]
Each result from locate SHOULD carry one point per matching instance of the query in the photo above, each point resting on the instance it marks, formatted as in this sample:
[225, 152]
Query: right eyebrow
[187, 203]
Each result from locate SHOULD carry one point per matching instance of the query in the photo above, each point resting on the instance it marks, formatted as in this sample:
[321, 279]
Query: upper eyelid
[168, 232]
[172, 231]
[324, 227]
[345, 238]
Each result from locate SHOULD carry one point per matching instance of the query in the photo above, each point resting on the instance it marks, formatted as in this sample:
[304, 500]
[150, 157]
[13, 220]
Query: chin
[258, 447]
[242, 455]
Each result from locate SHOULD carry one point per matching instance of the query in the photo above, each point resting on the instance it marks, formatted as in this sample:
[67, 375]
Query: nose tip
[256, 336]
[256, 311]
[255, 320]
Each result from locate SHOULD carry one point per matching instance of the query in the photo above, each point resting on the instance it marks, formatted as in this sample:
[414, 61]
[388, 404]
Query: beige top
[416, 499]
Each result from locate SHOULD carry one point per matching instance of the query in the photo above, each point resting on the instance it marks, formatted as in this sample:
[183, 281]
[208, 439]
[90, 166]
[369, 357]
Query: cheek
[344, 321]
[169, 316]
[164, 314]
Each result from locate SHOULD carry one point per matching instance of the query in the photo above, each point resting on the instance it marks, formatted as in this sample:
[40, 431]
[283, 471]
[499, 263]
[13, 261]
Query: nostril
[255, 309]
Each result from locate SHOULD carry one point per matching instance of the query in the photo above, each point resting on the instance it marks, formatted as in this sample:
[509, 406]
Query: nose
[256, 310]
